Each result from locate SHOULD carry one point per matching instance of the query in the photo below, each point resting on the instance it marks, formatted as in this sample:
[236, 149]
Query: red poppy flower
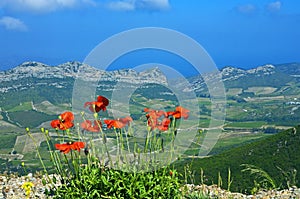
[180, 112]
[100, 104]
[126, 120]
[87, 125]
[164, 125]
[152, 123]
[64, 122]
[67, 147]
[118, 123]
[154, 114]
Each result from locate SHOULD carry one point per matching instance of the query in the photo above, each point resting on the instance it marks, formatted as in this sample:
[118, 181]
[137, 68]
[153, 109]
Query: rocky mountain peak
[71, 67]
[262, 70]
[75, 70]
[231, 73]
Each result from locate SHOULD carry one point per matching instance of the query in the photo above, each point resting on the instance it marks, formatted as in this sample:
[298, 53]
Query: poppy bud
[95, 115]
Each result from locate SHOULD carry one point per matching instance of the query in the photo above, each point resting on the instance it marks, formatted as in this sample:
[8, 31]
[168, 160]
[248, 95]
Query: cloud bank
[40, 6]
[11, 23]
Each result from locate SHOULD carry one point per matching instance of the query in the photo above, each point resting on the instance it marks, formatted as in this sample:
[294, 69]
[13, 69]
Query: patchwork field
[261, 90]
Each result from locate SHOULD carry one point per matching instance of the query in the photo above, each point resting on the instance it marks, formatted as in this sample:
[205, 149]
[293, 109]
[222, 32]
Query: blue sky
[242, 33]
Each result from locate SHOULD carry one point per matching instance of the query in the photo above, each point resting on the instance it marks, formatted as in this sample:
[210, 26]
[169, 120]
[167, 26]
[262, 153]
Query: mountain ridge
[75, 69]
[36, 73]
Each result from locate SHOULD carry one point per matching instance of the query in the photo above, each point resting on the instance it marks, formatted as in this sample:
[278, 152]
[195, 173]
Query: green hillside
[278, 155]
[277, 80]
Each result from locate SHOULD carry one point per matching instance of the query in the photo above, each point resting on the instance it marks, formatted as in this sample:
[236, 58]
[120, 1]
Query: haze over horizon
[243, 34]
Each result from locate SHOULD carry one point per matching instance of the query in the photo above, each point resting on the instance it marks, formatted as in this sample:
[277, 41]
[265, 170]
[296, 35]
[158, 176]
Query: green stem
[104, 140]
[52, 156]
[118, 146]
[38, 153]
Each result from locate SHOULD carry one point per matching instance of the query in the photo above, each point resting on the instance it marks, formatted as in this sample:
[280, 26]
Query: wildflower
[153, 116]
[164, 125]
[87, 125]
[27, 188]
[64, 122]
[67, 147]
[100, 104]
[152, 123]
[126, 120]
[179, 112]
[171, 173]
[118, 123]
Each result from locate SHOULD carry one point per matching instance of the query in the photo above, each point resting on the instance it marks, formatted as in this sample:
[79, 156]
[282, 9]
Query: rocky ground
[11, 187]
[215, 192]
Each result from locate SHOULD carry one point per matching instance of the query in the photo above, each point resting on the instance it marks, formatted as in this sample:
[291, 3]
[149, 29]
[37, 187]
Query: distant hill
[291, 69]
[38, 82]
[276, 76]
[272, 154]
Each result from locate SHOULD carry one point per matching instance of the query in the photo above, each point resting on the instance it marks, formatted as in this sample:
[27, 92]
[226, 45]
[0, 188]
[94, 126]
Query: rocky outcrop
[32, 74]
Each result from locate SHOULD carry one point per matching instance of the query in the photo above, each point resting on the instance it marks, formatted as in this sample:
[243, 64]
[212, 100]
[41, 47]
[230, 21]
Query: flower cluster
[154, 117]
[65, 121]
[27, 186]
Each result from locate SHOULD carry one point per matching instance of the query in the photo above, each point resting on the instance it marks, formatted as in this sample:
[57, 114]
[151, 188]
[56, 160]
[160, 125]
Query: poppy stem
[53, 155]
[104, 140]
[118, 146]
[147, 141]
[127, 140]
[38, 152]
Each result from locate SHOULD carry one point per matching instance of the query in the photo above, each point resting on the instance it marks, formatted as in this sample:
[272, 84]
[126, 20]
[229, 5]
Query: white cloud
[153, 4]
[274, 6]
[122, 5]
[41, 6]
[11, 23]
[130, 5]
[246, 9]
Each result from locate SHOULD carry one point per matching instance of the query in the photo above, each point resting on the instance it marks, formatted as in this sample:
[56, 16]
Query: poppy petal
[102, 99]
[67, 116]
[65, 148]
[55, 123]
